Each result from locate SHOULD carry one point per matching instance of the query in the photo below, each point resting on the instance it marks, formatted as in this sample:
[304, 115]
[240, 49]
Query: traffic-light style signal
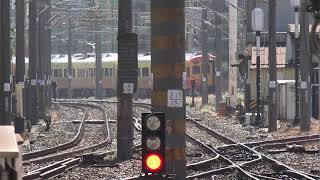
[153, 143]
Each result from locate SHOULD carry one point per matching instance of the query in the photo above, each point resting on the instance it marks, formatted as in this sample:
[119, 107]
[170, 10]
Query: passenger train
[84, 70]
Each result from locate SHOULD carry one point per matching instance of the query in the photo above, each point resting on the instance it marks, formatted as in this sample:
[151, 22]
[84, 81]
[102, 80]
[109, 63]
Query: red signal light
[153, 162]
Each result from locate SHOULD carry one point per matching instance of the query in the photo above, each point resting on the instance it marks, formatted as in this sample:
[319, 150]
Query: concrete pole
[250, 5]
[112, 27]
[233, 44]
[258, 81]
[204, 44]
[48, 54]
[41, 57]
[124, 114]
[272, 104]
[168, 66]
[33, 59]
[218, 54]
[297, 68]
[69, 70]
[20, 41]
[306, 68]
[99, 85]
[5, 62]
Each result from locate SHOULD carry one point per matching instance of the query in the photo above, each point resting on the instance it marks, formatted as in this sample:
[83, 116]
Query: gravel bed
[237, 154]
[269, 169]
[216, 164]
[116, 170]
[233, 175]
[203, 135]
[61, 129]
[305, 162]
[93, 134]
[229, 127]
[196, 154]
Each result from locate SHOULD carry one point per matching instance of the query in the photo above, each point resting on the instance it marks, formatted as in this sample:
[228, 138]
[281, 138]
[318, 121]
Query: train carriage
[83, 77]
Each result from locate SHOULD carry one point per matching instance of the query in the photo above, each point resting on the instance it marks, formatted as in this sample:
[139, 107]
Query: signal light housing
[153, 143]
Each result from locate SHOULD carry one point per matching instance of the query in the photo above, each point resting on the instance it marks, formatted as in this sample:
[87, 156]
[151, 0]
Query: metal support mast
[306, 68]
[5, 62]
[168, 66]
[99, 85]
[33, 59]
[233, 44]
[124, 114]
[69, 71]
[204, 41]
[272, 105]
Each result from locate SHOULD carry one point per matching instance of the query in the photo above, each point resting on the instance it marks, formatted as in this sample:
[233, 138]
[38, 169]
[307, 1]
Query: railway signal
[153, 143]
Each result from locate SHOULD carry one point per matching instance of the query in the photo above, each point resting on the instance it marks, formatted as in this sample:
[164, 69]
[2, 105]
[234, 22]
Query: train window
[195, 69]
[188, 71]
[107, 72]
[64, 72]
[145, 72]
[59, 72]
[86, 72]
[55, 73]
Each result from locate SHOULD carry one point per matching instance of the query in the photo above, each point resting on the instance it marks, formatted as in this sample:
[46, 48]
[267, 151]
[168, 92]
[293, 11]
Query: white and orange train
[83, 73]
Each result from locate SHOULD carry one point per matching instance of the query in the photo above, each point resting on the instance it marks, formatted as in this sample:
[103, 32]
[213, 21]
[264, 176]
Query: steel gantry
[168, 66]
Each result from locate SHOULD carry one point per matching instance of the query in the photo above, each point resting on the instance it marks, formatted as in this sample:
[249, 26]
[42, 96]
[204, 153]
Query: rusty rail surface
[75, 141]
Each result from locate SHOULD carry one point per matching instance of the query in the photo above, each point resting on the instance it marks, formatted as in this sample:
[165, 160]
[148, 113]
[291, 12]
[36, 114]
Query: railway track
[62, 153]
[246, 161]
[71, 159]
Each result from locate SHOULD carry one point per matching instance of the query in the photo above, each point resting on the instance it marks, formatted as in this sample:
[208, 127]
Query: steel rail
[280, 164]
[73, 142]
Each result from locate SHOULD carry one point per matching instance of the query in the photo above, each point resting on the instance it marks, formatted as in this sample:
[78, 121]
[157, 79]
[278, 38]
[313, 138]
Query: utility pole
[20, 57]
[33, 59]
[272, 105]
[41, 57]
[5, 62]
[112, 26]
[69, 72]
[306, 68]
[127, 78]
[168, 66]
[47, 37]
[204, 42]
[20, 51]
[218, 54]
[99, 85]
[233, 44]
[250, 5]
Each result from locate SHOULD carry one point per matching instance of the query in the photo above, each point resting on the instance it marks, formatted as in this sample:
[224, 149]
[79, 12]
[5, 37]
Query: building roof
[264, 55]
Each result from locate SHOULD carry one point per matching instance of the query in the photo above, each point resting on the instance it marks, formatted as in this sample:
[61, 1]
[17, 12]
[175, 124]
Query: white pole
[233, 41]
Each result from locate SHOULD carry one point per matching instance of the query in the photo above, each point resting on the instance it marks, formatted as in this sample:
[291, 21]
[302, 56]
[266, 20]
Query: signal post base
[151, 177]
